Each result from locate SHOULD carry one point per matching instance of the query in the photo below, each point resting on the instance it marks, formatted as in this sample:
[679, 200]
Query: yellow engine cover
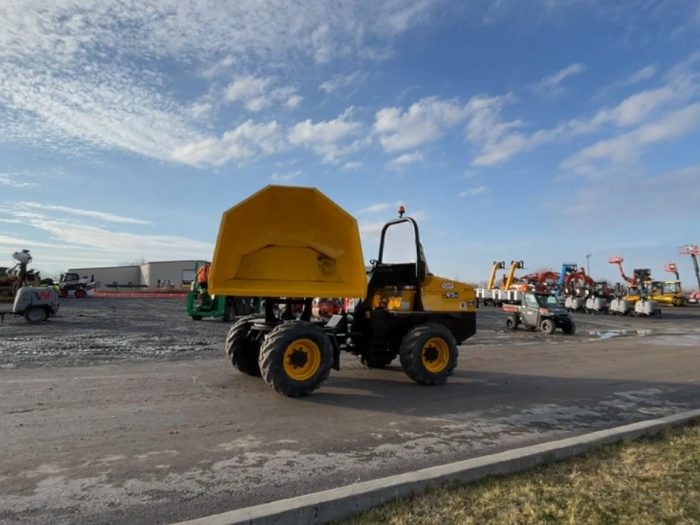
[446, 295]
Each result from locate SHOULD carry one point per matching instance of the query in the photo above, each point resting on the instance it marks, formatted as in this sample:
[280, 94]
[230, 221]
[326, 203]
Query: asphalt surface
[125, 411]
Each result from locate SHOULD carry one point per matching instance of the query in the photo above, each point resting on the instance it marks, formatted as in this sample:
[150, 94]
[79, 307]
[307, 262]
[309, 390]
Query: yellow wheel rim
[302, 359]
[435, 355]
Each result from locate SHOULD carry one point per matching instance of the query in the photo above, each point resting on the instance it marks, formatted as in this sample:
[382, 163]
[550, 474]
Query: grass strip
[650, 481]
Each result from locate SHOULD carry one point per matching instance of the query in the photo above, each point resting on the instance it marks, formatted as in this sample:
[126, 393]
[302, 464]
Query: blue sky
[540, 130]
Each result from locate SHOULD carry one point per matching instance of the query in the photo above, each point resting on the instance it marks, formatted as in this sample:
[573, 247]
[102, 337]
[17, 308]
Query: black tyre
[569, 329]
[511, 323]
[196, 317]
[36, 314]
[242, 349]
[378, 359]
[229, 311]
[547, 326]
[428, 354]
[296, 358]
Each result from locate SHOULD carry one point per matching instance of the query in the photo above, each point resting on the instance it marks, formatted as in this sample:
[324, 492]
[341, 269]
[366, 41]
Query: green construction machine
[200, 303]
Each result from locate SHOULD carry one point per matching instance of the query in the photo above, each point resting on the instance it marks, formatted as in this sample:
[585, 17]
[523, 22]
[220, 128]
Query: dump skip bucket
[288, 242]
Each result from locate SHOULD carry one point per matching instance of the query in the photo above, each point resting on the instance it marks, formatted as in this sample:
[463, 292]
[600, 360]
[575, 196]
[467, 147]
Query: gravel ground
[126, 411]
[105, 330]
[95, 331]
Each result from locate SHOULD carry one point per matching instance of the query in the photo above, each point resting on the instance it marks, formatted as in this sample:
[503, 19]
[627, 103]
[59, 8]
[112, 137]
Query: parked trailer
[35, 303]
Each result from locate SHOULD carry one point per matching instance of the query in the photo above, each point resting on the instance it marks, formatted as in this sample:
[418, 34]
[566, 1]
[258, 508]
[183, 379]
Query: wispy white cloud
[250, 91]
[601, 195]
[330, 139]
[62, 242]
[286, 177]
[100, 215]
[471, 192]
[243, 142]
[294, 101]
[680, 87]
[371, 230]
[430, 118]
[13, 181]
[352, 165]
[641, 75]
[100, 72]
[628, 146]
[551, 84]
[339, 81]
[257, 93]
[405, 160]
[376, 208]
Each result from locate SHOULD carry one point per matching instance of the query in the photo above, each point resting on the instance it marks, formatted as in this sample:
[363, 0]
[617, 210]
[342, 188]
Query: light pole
[588, 264]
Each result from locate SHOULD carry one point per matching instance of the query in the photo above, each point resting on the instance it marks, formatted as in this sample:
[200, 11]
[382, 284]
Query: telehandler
[291, 244]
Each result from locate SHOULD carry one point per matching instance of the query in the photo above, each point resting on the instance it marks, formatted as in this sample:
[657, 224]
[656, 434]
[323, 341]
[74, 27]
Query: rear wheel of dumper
[35, 315]
[428, 354]
[547, 326]
[242, 348]
[569, 329]
[296, 358]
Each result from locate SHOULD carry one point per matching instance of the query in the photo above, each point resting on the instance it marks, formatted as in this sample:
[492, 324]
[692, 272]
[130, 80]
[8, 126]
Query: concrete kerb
[338, 503]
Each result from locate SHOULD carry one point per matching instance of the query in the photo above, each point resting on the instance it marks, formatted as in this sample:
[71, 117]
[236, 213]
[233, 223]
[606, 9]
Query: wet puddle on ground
[691, 340]
[603, 335]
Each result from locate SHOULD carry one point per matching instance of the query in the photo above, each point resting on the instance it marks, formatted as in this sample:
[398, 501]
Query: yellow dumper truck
[291, 244]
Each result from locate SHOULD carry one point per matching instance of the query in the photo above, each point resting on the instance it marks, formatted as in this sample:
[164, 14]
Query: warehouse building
[157, 274]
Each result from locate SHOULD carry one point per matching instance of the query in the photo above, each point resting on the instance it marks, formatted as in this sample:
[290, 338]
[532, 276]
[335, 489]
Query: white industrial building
[157, 274]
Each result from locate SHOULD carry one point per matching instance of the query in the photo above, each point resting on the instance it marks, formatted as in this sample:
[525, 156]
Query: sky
[534, 130]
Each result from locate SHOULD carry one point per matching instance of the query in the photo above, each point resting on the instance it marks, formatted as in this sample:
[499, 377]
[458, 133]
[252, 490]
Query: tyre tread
[410, 357]
[272, 367]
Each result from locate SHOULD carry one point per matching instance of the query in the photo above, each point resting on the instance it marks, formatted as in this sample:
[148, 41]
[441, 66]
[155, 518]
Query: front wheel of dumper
[242, 347]
[429, 354]
[296, 358]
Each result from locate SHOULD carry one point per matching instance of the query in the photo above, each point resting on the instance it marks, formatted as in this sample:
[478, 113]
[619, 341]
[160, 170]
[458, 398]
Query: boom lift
[272, 245]
[507, 293]
[566, 269]
[485, 295]
[693, 250]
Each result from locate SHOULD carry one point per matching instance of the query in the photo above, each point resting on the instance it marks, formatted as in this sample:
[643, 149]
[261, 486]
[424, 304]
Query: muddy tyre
[428, 354]
[35, 315]
[511, 323]
[242, 349]
[547, 326]
[296, 358]
[569, 329]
